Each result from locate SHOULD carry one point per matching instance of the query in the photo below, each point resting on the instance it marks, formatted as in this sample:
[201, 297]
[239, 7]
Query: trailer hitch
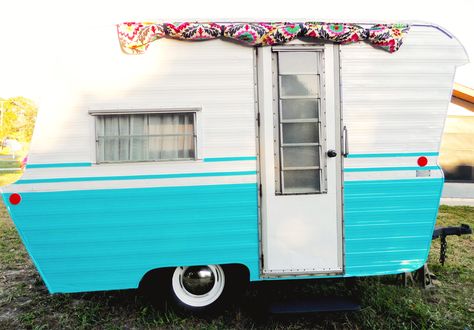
[423, 275]
[442, 232]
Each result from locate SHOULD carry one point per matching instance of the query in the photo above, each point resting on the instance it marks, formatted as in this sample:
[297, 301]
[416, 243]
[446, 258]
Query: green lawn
[386, 304]
[9, 163]
[9, 176]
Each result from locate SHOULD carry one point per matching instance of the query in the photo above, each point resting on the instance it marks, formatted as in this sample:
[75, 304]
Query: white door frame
[266, 142]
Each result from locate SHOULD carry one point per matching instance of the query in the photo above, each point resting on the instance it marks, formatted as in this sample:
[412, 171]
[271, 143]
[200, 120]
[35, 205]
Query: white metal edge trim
[388, 162]
[132, 110]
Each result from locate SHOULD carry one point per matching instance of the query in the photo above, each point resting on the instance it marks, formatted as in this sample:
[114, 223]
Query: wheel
[199, 288]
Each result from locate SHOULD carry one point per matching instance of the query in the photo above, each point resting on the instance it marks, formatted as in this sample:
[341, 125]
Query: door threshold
[290, 274]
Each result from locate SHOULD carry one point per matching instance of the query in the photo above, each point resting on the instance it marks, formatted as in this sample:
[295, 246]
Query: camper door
[300, 160]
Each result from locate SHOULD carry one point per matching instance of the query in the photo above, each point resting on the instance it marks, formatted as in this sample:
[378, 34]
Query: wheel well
[235, 272]
[153, 276]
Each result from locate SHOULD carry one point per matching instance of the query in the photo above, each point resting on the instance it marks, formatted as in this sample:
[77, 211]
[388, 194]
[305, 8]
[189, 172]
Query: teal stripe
[386, 155]
[228, 159]
[55, 165]
[136, 177]
[386, 169]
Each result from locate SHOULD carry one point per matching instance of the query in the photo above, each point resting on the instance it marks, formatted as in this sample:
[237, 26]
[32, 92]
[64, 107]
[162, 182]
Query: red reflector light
[422, 161]
[15, 199]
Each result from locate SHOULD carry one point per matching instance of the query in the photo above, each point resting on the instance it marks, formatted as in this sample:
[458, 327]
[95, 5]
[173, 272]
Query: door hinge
[258, 119]
[260, 190]
[263, 263]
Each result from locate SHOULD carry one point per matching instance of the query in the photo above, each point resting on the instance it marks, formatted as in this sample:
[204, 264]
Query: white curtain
[145, 137]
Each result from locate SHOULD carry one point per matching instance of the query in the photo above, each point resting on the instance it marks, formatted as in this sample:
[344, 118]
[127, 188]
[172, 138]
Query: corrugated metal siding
[388, 224]
[78, 244]
[107, 233]
[397, 102]
[394, 104]
[217, 76]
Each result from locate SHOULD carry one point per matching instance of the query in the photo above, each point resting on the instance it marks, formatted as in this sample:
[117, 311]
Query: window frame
[278, 120]
[197, 131]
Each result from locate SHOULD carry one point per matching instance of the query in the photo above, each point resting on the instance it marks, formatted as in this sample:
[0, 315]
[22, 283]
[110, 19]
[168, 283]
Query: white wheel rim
[194, 300]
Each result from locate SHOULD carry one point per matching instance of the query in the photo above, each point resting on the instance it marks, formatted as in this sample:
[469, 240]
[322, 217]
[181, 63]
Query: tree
[17, 118]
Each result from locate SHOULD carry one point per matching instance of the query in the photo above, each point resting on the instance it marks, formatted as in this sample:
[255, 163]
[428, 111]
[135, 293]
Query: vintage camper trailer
[309, 152]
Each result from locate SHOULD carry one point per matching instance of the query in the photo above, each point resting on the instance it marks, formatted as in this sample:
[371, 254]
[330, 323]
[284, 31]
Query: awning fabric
[135, 37]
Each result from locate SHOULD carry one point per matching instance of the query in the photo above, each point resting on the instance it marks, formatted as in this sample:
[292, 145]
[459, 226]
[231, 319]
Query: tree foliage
[17, 118]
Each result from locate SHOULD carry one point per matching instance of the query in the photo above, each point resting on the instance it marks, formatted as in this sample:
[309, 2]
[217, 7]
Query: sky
[32, 32]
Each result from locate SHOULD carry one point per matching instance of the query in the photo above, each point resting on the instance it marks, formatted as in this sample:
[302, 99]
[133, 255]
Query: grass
[386, 304]
[9, 163]
[6, 162]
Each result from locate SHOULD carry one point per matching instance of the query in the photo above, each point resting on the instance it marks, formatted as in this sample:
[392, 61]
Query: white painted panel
[387, 162]
[397, 80]
[392, 175]
[363, 67]
[127, 184]
[442, 53]
[217, 77]
[395, 103]
[126, 169]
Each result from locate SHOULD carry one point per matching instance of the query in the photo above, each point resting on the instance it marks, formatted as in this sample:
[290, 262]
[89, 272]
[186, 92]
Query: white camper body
[340, 193]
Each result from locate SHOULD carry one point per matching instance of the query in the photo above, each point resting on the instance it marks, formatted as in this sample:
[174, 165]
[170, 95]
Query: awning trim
[135, 37]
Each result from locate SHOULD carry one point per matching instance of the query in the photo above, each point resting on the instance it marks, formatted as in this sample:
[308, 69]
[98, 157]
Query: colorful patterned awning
[135, 37]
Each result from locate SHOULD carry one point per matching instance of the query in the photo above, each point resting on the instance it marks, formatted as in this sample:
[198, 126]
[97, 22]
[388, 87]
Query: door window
[298, 122]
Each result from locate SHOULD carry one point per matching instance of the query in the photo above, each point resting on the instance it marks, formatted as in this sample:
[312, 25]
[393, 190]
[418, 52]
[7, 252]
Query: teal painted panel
[108, 239]
[388, 224]
[384, 244]
[387, 259]
[371, 231]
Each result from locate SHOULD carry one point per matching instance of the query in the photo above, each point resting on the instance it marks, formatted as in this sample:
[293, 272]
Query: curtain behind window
[145, 137]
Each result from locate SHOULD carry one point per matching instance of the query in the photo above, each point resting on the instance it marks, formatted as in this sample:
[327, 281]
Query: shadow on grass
[132, 309]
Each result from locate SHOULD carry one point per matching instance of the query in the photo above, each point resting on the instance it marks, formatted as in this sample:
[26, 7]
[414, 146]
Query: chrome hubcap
[198, 280]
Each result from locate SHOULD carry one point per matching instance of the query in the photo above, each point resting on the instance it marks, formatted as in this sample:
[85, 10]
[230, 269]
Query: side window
[299, 122]
[145, 137]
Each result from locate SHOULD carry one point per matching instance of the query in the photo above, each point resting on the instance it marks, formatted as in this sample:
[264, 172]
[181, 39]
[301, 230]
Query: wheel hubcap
[198, 280]
[198, 286]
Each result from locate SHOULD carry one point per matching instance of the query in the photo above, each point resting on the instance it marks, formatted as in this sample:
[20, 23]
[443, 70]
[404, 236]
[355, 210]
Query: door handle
[332, 153]
[345, 142]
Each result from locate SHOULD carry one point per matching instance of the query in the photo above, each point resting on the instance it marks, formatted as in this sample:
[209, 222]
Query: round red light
[422, 161]
[15, 199]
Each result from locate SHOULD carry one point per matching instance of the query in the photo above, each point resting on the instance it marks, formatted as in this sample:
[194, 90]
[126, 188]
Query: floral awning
[135, 37]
